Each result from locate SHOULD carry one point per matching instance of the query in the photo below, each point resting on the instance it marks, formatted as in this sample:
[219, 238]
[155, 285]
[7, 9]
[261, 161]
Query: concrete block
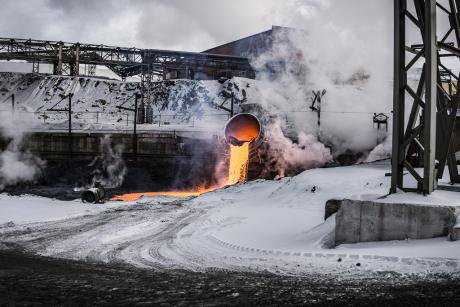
[455, 234]
[332, 206]
[348, 222]
[366, 221]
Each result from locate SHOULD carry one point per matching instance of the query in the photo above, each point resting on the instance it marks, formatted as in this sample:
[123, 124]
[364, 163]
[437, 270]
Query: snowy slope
[183, 99]
[262, 225]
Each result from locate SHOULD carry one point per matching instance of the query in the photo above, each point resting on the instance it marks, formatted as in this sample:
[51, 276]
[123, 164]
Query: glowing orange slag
[135, 196]
[240, 131]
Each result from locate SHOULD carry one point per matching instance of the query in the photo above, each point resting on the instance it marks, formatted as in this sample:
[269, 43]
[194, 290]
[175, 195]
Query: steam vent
[284, 168]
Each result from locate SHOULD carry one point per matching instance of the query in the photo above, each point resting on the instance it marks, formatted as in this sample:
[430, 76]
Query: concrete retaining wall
[366, 221]
[56, 145]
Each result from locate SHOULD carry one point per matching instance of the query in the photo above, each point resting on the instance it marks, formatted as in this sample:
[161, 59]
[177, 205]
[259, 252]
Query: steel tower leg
[429, 116]
[400, 79]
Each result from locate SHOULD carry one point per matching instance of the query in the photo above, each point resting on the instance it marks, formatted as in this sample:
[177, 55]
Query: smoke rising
[289, 158]
[352, 64]
[109, 167]
[17, 165]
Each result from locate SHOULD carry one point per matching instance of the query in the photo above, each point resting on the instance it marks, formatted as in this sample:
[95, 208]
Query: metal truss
[146, 94]
[425, 138]
[67, 57]
[90, 70]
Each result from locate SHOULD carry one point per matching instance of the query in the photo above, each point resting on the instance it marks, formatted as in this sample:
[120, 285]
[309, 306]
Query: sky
[191, 25]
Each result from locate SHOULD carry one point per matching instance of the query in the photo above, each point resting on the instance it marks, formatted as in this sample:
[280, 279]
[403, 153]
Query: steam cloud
[289, 157]
[110, 168]
[16, 165]
[333, 57]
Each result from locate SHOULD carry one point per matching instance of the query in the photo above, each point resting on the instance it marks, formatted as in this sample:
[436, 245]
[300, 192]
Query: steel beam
[76, 65]
[429, 115]
[123, 61]
[59, 60]
[400, 80]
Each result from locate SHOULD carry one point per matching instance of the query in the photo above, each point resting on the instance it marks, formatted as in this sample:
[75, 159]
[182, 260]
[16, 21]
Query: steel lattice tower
[424, 137]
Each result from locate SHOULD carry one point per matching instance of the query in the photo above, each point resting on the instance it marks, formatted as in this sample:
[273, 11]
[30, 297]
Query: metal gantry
[67, 57]
[424, 137]
[149, 64]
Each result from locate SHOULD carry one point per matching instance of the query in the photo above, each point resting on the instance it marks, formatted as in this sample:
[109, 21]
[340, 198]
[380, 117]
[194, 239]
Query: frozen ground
[274, 226]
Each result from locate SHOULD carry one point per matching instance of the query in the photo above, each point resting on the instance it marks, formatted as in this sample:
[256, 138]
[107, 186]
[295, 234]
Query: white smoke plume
[289, 157]
[110, 168]
[17, 165]
[352, 63]
[380, 152]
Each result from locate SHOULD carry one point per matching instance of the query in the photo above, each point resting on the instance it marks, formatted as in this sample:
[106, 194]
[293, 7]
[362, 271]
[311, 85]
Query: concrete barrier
[366, 221]
[455, 233]
[332, 206]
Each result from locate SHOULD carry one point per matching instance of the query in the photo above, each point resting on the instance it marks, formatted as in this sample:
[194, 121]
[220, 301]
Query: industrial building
[229, 60]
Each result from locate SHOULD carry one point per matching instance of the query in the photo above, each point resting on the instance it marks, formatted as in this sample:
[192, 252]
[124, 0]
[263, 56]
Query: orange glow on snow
[136, 196]
[240, 132]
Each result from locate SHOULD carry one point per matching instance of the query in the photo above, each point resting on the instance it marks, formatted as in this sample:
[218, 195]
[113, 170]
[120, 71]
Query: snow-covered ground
[276, 226]
[27, 209]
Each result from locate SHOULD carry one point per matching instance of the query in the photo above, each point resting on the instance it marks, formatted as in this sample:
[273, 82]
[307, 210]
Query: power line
[336, 112]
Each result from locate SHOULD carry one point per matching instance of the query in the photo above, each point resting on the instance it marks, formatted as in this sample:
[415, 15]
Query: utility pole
[380, 120]
[232, 103]
[230, 110]
[70, 124]
[316, 107]
[135, 110]
[135, 125]
[69, 131]
[12, 104]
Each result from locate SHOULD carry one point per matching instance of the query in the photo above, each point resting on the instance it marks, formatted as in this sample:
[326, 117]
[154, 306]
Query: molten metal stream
[239, 161]
[240, 131]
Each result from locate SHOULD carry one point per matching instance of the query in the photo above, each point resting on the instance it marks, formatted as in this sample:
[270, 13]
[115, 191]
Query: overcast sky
[192, 25]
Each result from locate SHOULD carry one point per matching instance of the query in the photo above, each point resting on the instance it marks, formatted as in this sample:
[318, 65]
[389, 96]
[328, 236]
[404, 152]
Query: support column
[76, 64]
[400, 77]
[429, 115]
[58, 70]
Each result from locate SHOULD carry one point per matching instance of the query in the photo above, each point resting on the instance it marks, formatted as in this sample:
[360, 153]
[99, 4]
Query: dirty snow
[276, 226]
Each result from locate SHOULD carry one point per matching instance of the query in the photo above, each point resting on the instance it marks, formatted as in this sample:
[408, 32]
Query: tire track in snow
[182, 237]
